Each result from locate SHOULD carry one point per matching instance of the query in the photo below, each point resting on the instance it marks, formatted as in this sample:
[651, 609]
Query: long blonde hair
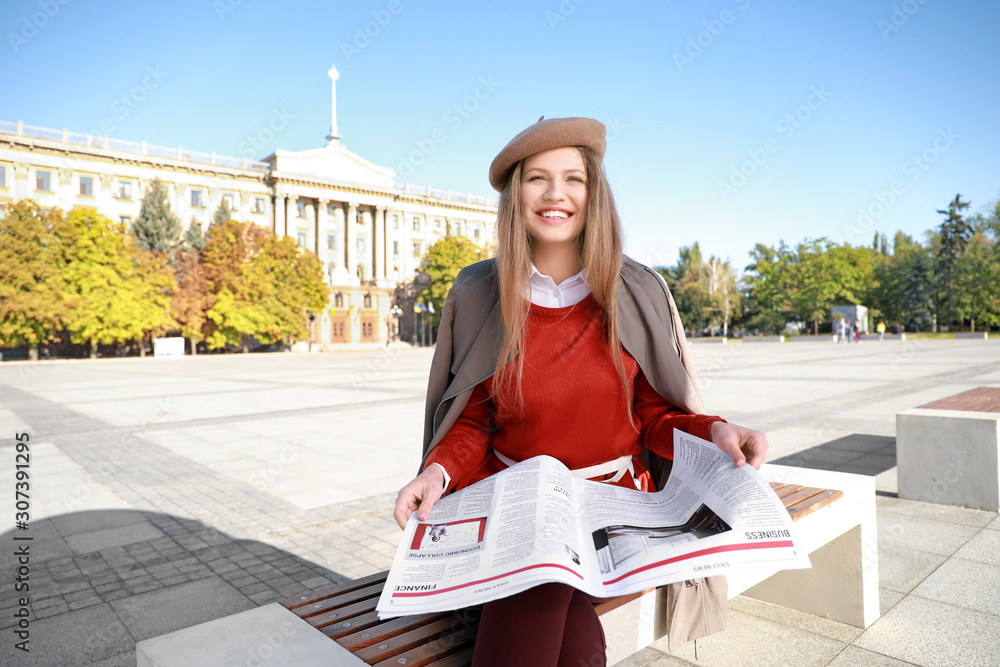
[600, 248]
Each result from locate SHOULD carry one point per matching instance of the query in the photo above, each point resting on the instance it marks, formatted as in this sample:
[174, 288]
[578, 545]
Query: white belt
[619, 466]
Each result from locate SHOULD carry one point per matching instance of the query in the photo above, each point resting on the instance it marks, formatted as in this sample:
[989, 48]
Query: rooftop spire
[334, 136]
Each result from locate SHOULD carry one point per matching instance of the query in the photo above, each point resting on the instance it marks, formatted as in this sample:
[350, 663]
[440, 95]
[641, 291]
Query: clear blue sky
[695, 90]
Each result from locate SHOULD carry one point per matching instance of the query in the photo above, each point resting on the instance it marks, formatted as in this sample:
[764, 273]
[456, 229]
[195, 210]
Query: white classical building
[370, 231]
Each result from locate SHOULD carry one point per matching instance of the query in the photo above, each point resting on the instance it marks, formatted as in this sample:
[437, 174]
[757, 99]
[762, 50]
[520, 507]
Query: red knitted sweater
[574, 408]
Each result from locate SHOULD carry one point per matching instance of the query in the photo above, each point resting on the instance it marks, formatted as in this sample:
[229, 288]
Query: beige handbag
[695, 608]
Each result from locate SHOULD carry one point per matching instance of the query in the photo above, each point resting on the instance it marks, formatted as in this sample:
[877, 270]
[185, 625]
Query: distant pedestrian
[841, 330]
[857, 331]
[881, 330]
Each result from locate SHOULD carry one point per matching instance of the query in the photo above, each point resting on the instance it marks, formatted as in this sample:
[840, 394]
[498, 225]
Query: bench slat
[350, 626]
[331, 591]
[804, 493]
[341, 614]
[426, 652]
[439, 634]
[813, 503]
[460, 659]
[787, 490]
[332, 605]
[378, 632]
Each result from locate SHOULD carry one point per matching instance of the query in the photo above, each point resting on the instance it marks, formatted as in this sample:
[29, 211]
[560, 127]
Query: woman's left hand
[741, 443]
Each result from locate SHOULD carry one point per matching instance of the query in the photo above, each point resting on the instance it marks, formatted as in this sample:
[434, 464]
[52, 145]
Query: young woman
[559, 346]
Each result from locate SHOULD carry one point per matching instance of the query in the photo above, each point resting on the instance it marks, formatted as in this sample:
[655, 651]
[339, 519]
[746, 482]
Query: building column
[322, 230]
[351, 243]
[280, 215]
[382, 247]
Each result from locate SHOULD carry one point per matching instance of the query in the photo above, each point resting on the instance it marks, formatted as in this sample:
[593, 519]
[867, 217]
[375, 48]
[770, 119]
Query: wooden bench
[834, 515]
[948, 451]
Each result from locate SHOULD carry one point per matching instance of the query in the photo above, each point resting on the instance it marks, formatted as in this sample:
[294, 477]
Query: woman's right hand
[420, 494]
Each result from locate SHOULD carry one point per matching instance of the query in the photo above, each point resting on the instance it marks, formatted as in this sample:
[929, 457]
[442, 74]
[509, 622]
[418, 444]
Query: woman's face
[554, 194]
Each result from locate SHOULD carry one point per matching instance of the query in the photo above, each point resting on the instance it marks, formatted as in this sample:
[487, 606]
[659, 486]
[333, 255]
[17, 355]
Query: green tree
[916, 300]
[156, 228]
[121, 291]
[441, 264]
[222, 214]
[194, 237]
[767, 283]
[34, 300]
[191, 300]
[977, 276]
[723, 294]
[953, 234]
[689, 282]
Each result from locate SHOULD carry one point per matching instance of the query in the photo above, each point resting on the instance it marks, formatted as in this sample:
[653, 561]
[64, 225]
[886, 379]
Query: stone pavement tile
[809, 622]
[984, 547]
[121, 660]
[902, 569]
[650, 657]
[931, 633]
[77, 637]
[751, 641]
[995, 524]
[936, 511]
[852, 656]
[83, 543]
[94, 520]
[964, 583]
[167, 609]
[905, 532]
[887, 599]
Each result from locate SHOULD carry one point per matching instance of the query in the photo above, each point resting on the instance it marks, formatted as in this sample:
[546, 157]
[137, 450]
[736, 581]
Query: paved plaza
[165, 493]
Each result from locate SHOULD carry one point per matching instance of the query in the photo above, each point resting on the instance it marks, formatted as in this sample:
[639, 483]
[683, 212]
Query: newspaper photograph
[535, 523]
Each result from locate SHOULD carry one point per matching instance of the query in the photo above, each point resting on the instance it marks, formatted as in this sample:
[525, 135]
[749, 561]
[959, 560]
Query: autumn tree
[121, 292]
[156, 228]
[34, 300]
[191, 300]
[441, 264]
[296, 287]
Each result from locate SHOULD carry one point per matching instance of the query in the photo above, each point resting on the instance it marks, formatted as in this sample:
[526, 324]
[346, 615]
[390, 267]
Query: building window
[458, 229]
[361, 245]
[258, 205]
[86, 186]
[437, 222]
[416, 249]
[125, 220]
[43, 181]
[331, 242]
[124, 191]
[395, 221]
[331, 267]
[230, 202]
[196, 199]
[416, 223]
[360, 271]
[329, 210]
[368, 300]
[359, 217]
[475, 232]
[302, 239]
[395, 247]
[3, 176]
[300, 206]
[338, 300]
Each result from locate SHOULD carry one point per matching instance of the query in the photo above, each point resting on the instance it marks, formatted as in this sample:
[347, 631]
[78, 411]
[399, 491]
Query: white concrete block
[269, 635]
[949, 457]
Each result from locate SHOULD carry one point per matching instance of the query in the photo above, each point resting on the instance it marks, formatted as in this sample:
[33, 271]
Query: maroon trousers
[552, 625]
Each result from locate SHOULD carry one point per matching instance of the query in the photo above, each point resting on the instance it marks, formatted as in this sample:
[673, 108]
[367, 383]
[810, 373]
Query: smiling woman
[548, 350]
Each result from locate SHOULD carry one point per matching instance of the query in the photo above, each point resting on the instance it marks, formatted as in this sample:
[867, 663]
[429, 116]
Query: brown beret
[542, 136]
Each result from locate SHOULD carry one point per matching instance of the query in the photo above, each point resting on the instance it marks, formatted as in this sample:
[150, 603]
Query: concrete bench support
[949, 457]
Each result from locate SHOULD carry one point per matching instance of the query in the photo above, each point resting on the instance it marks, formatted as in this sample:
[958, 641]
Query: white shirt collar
[543, 291]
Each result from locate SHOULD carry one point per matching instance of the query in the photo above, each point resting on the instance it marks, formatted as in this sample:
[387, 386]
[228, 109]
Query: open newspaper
[535, 523]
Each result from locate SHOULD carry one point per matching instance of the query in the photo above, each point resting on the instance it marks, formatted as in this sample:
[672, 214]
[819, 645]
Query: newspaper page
[534, 523]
